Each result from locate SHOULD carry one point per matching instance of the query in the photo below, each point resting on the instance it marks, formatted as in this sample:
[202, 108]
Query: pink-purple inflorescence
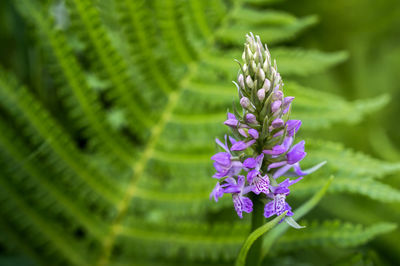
[262, 148]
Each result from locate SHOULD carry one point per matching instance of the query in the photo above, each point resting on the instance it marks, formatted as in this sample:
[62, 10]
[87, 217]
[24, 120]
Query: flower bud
[245, 102]
[245, 68]
[261, 74]
[249, 82]
[275, 106]
[266, 85]
[249, 54]
[250, 118]
[278, 95]
[241, 81]
[261, 94]
[277, 123]
[253, 67]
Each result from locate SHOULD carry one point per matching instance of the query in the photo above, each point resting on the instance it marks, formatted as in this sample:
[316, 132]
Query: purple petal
[237, 203]
[287, 142]
[280, 204]
[231, 122]
[276, 165]
[288, 208]
[259, 160]
[247, 204]
[222, 158]
[297, 153]
[251, 142]
[276, 150]
[217, 192]
[235, 168]
[286, 104]
[251, 175]
[223, 146]
[242, 204]
[232, 188]
[269, 209]
[231, 116]
[239, 146]
[251, 119]
[300, 172]
[277, 123]
[275, 106]
[281, 171]
[278, 95]
[231, 139]
[240, 181]
[277, 134]
[253, 133]
[285, 184]
[250, 163]
[292, 127]
[242, 132]
[261, 185]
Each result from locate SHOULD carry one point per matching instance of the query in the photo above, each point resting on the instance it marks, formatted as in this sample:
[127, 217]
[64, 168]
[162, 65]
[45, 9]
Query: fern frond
[34, 229]
[332, 233]
[305, 62]
[173, 33]
[113, 67]
[271, 35]
[41, 128]
[89, 108]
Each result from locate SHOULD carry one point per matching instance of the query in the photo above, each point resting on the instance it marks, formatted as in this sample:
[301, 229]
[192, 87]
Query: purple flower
[224, 164]
[295, 155]
[255, 164]
[241, 145]
[292, 127]
[282, 187]
[217, 192]
[231, 121]
[278, 205]
[241, 203]
[260, 184]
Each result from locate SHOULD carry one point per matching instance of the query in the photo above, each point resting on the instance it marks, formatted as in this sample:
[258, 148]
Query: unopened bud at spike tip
[241, 81]
[266, 85]
[245, 102]
[249, 82]
[261, 74]
[261, 94]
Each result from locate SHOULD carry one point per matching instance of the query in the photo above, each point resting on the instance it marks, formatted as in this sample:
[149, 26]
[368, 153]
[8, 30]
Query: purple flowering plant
[263, 148]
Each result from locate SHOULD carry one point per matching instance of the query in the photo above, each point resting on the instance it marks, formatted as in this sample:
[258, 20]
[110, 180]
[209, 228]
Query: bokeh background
[51, 216]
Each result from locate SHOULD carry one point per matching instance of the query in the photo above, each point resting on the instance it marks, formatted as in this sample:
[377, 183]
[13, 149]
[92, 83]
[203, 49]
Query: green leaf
[241, 259]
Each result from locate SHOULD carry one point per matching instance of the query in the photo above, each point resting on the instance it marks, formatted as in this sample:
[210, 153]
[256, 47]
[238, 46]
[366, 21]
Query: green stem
[257, 220]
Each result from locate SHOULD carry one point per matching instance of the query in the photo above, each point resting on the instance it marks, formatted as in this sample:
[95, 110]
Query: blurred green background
[369, 31]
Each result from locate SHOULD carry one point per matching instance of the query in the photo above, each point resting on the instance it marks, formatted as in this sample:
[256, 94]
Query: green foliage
[331, 233]
[117, 169]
